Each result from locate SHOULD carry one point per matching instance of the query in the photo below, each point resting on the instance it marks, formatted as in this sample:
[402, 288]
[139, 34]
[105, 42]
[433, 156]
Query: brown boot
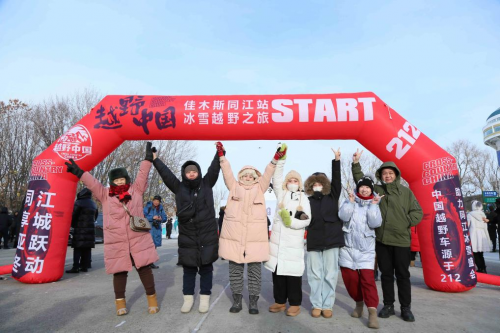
[412, 263]
[276, 307]
[372, 318]
[293, 311]
[152, 304]
[327, 313]
[358, 310]
[121, 307]
[316, 313]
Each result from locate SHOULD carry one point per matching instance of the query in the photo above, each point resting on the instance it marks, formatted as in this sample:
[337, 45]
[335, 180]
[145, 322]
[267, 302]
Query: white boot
[204, 303]
[188, 303]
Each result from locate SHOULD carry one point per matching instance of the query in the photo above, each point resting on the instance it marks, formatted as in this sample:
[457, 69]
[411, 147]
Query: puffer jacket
[361, 218]
[244, 236]
[286, 247]
[198, 239]
[325, 230]
[83, 220]
[121, 242]
[149, 212]
[399, 207]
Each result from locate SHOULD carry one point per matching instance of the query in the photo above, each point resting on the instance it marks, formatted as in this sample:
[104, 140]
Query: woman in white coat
[479, 238]
[361, 215]
[286, 259]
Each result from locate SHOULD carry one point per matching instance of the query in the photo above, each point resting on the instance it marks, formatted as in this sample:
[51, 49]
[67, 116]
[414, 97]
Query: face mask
[317, 188]
[292, 187]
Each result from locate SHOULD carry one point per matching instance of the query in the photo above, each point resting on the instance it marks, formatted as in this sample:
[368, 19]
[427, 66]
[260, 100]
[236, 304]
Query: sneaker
[387, 311]
[73, 270]
[406, 314]
[154, 266]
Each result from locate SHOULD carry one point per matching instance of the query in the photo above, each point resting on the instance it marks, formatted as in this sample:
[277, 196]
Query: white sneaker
[188, 303]
[204, 303]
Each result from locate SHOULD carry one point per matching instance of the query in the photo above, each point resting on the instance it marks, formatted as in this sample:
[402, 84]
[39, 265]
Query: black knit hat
[365, 181]
[157, 197]
[118, 173]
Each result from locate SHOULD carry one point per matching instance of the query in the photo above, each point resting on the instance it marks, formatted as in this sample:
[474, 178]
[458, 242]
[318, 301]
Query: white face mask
[292, 187]
[317, 188]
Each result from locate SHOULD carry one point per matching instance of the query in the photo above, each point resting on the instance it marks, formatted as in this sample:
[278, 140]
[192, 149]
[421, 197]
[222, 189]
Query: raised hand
[356, 156]
[281, 151]
[149, 152]
[74, 168]
[220, 149]
[351, 196]
[376, 199]
[337, 154]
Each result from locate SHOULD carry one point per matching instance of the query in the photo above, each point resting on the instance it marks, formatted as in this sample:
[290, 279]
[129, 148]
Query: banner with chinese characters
[430, 171]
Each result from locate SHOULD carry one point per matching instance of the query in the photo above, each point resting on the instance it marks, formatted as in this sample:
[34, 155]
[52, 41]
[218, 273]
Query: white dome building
[491, 132]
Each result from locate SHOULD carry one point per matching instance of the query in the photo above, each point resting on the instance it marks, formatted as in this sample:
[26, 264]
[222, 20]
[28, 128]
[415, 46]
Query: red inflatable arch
[432, 173]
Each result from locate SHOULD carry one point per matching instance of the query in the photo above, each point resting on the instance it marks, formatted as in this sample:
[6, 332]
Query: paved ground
[84, 303]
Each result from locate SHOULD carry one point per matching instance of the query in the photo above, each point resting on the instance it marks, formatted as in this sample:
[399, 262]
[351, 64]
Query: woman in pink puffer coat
[123, 247]
[244, 236]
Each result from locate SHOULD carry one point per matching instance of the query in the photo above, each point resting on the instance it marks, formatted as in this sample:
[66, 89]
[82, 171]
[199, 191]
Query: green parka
[400, 209]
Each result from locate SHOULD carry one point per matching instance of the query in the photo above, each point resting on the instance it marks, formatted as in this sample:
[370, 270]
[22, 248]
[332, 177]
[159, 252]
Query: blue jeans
[189, 279]
[322, 274]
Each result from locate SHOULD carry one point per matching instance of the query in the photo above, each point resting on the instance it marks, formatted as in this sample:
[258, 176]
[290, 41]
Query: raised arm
[167, 176]
[227, 172]
[141, 181]
[264, 181]
[374, 217]
[213, 171]
[100, 192]
[346, 210]
[278, 179]
[356, 167]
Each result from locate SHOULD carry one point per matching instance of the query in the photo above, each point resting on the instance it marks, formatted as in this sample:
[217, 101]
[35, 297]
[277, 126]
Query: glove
[74, 168]
[300, 215]
[220, 149]
[281, 152]
[285, 216]
[149, 152]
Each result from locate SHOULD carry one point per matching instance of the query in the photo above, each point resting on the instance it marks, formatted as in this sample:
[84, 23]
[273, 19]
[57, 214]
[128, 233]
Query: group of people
[375, 219]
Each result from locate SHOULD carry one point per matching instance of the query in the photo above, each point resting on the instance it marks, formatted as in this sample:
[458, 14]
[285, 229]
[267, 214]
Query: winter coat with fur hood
[360, 217]
[198, 237]
[244, 236]
[325, 230]
[121, 242]
[287, 243]
[399, 207]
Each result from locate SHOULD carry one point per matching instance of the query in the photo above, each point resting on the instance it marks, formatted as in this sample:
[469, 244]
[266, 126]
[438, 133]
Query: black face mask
[195, 183]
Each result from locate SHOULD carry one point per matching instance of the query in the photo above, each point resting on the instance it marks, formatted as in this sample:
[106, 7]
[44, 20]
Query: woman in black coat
[198, 237]
[84, 216]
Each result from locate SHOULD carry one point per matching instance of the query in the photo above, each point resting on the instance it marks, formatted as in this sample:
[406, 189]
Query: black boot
[387, 311]
[252, 307]
[237, 304]
[406, 314]
[73, 270]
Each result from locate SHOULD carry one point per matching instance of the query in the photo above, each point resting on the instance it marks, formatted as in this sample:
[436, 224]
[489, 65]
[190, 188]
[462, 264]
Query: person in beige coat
[244, 236]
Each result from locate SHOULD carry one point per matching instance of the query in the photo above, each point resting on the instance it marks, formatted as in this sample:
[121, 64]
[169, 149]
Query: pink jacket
[120, 242]
[244, 236]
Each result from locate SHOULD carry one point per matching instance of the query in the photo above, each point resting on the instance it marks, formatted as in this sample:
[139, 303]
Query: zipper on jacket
[385, 218]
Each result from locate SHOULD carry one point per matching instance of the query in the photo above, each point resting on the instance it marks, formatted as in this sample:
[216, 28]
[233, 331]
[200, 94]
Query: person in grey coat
[361, 215]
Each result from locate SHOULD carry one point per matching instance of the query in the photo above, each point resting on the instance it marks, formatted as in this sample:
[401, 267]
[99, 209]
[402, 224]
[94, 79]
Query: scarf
[365, 198]
[121, 192]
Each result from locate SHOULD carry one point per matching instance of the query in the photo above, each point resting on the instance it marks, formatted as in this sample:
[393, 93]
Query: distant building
[491, 132]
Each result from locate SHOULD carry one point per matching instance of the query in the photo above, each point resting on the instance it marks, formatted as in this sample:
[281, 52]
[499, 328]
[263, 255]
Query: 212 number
[409, 133]
[444, 278]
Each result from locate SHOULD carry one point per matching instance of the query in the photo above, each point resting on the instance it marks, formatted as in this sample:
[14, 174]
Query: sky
[437, 63]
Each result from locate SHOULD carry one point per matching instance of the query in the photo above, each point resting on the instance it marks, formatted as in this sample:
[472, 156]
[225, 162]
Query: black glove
[149, 152]
[74, 168]
[300, 215]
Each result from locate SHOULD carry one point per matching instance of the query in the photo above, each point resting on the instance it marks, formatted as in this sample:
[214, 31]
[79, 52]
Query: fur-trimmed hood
[257, 172]
[290, 175]
[317, 177]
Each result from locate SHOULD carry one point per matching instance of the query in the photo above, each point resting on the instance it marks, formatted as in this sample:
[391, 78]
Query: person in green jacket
[400, 211]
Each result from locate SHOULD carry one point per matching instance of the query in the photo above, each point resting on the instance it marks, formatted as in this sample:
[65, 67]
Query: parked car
[99, 232]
